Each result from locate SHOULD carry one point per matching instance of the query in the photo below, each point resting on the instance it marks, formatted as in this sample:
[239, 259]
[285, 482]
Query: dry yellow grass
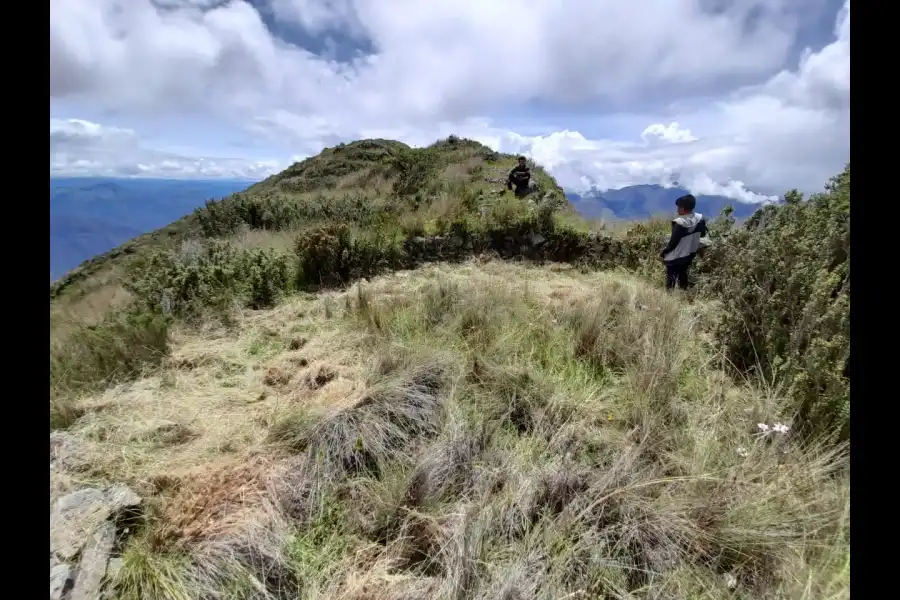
[213, 387]
[281, 241]
[98, 294]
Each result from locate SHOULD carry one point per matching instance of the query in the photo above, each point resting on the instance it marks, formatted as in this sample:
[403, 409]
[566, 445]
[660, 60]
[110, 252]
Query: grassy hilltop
[373, 375]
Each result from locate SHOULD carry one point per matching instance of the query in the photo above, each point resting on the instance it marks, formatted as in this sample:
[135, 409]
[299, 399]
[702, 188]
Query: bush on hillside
[275, 212]
[332, 255]
[784, 284]
[217, 217]
[210, 276]
[323, 256]
[267, 275]
[414, 168]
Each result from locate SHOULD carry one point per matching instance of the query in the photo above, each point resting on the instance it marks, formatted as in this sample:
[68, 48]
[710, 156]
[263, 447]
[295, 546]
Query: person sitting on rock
[520, 177]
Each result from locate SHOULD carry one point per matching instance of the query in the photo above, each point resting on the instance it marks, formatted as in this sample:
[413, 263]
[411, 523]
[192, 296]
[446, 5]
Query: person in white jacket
[687, 229]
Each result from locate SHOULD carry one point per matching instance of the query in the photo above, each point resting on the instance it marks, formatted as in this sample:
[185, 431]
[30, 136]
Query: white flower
[762, 427]
[742, 452]
[781, 428]
[730, 581]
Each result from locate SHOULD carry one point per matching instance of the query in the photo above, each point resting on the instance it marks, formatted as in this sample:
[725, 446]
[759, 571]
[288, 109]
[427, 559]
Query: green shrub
[268, 276]
[274, 212]
[414, 168]
[331, 255]
[118, 348]
[323, 256]
[784, 284]
[182, 283]
[217, 218]
[646, 239]
[212, 275]
[376, 252]
[489, 155]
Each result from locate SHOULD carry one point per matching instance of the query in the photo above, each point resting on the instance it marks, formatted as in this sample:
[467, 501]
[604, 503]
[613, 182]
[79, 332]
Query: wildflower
[763, 428]
[730, 581]
[780, 428]
[742, 452]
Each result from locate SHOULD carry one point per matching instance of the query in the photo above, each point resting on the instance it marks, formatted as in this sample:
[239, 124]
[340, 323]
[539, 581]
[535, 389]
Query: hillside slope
[376, 375]
[357, 184]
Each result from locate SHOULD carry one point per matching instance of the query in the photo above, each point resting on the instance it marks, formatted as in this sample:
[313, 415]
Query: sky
[744, 98]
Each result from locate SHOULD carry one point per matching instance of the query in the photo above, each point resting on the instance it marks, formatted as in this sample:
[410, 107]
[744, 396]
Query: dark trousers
[677, 274]
[521, 188]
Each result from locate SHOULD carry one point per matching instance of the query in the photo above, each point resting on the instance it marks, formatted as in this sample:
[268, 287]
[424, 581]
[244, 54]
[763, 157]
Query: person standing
[687, 229]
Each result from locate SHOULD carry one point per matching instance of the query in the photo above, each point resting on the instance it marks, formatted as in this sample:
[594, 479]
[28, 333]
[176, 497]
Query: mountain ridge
[93, 215]
[643, 201]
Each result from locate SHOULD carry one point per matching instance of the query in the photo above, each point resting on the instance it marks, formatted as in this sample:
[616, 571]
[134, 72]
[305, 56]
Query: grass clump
[90, 356]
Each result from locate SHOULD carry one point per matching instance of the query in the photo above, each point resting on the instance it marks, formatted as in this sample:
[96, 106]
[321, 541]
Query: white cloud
[79, 147]
[667, 133]
[723, 109]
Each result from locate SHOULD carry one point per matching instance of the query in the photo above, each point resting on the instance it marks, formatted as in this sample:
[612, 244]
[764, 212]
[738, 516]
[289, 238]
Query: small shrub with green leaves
[784, 284]
[333, 255]
[323, 256]
[211, 275]
[376, 252]
[268, 277]
[414, 168]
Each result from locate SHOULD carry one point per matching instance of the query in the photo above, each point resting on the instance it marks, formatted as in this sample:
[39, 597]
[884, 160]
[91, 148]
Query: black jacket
[519, 176]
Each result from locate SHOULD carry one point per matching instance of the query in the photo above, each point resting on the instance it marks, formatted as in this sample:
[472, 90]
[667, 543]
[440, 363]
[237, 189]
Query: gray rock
[537, 239]
[60, 576]
[76, 516]
[92, 568]
[121, 498]
[68, 452]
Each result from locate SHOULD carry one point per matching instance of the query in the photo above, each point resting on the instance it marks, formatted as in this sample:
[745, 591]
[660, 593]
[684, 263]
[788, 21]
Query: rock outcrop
[85, 528]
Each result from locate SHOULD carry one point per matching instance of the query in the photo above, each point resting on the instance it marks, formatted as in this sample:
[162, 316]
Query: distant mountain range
[91, 215]
[643, 201]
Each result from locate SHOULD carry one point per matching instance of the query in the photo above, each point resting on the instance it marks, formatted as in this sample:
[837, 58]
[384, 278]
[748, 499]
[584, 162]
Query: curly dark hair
[687, 202]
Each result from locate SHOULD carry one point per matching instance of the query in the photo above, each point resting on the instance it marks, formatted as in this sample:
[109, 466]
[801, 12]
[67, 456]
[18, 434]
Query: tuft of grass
[90, 356]
[150, 575]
